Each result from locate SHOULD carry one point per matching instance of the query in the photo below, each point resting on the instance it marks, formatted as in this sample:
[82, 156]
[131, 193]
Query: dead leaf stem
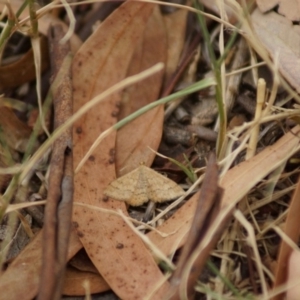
[207, 207]
[60, 192]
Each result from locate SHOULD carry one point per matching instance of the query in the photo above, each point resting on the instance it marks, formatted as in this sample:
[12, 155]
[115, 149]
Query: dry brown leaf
[266, 5]
[236, 183]
[74, 280]
[82, 263]
[289, 9]
[176, 28]
[118, 254]
[21, 279]
[293, 293]
[146, 130]
[292, 226]
[281, 38]
[10, 75]
[15, 132]
[150, 50]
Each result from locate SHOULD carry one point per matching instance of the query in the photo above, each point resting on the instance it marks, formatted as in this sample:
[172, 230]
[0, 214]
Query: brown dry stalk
[58, 210]
[207, 207]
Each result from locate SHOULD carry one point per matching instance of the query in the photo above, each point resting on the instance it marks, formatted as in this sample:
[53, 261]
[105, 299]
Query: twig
[59, 200]
[207, 207]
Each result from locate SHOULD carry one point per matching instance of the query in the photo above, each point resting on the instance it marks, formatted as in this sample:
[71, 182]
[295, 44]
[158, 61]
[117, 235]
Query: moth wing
[160, 188]
[122, 188]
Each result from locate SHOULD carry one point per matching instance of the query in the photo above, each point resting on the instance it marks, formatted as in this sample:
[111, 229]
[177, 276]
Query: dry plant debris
[141, 185]
[213, 69]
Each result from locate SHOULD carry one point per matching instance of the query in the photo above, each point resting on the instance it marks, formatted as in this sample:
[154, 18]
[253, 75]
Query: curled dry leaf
[145, 131]
[118, 254]
[281, 38]
[10, 75]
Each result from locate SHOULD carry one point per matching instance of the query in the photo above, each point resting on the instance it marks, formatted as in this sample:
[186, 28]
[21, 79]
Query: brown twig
[207, 208]
[60, 192]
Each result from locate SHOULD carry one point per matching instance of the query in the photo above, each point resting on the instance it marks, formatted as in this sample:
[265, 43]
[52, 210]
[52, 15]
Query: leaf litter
[132, 253]
[255, 183]
[148, 126]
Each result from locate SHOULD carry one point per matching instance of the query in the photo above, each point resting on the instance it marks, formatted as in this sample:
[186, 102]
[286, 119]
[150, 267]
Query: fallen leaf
[147, 128]
[176, 30]
[74, 280]
[13, 131]
[289, 9]
[281, 38]
[266, 5]
[293, 293]
[24, 271]
[292, 225]
[141, 185]
[119, 255]
[10, 75]
[82, 262]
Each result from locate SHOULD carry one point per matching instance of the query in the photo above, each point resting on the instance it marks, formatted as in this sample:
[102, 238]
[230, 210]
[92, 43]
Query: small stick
[60, 193]
[207, 208]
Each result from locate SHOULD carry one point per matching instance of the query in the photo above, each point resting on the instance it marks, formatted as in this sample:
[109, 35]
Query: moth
[141, 185]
